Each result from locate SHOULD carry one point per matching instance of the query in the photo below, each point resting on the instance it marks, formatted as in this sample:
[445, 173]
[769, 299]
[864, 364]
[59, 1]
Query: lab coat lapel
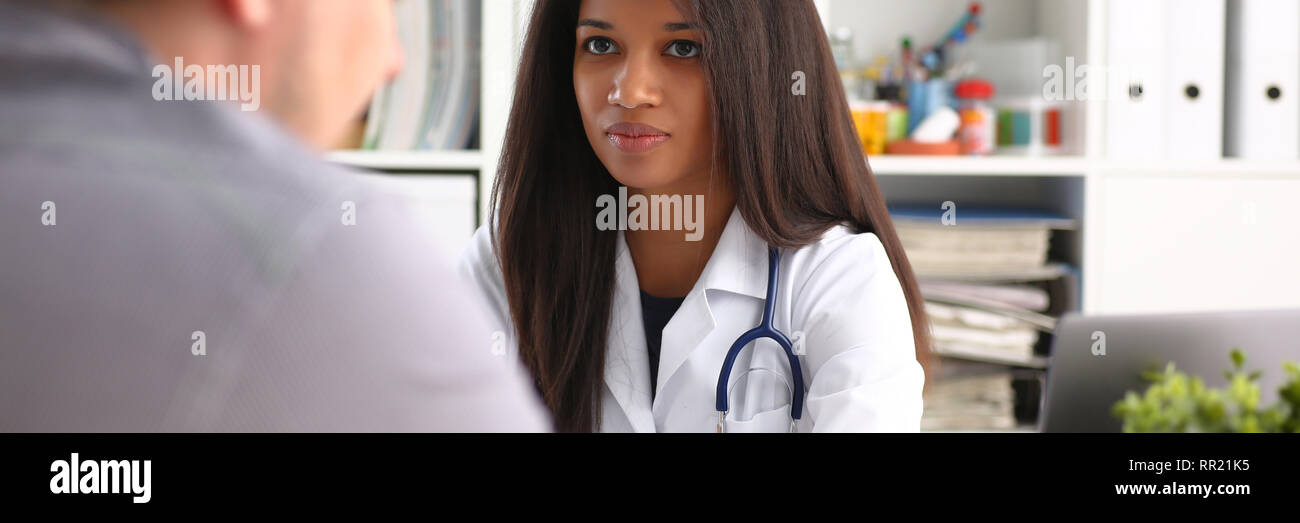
[627, 363]
[738, 265]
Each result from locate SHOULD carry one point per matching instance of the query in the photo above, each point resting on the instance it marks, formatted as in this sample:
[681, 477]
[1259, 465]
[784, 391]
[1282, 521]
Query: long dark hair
[794, 162]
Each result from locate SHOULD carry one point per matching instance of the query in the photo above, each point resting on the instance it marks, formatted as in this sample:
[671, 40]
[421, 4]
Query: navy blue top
[655, 313]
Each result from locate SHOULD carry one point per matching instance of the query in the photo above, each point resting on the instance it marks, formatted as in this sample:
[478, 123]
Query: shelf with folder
[1181, 176]
[446, 113]
[440, 125]
[997, 259]
[1202, 80]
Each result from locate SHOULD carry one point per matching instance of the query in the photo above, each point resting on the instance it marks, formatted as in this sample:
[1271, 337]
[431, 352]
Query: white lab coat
[839, 294]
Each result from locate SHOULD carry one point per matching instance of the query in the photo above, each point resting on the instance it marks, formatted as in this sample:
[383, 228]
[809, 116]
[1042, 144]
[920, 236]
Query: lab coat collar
[738, 265]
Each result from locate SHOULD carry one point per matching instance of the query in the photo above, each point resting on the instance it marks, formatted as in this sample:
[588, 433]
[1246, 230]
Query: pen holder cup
[923, 97]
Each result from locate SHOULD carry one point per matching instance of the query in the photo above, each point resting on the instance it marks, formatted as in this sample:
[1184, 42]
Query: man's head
[320, 60]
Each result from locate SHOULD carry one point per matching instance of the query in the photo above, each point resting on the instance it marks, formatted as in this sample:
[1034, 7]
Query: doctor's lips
[635, 137]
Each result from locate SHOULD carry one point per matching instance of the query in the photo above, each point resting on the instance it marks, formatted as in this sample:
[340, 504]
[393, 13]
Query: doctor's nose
[637, 84]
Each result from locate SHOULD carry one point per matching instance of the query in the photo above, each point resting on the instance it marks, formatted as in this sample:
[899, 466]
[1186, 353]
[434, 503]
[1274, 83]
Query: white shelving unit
[1156, 236]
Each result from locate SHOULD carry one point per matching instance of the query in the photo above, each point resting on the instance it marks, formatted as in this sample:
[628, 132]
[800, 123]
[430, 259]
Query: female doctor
[737, 102]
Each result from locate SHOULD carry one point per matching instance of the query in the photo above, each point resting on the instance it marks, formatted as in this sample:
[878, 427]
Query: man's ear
[247, 14]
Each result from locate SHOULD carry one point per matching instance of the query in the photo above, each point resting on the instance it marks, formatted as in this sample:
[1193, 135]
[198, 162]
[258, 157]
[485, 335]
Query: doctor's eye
[600, 45]
[683, 49]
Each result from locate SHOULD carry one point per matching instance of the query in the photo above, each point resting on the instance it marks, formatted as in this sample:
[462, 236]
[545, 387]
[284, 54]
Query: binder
[1195, 87]
[1135, 108]
[1263, 57]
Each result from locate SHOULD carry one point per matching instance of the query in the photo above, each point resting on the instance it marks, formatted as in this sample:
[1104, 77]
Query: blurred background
[1040, 157]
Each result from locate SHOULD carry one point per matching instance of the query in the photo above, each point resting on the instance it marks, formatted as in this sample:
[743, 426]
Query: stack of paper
[973, 264]
[433, 103]
[978, 250]
[985, 329]
[977, 243]
[970, 398]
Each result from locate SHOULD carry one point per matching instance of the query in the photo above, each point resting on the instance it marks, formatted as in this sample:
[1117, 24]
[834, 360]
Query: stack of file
[977, 250]
[979, 270]
[971, 321]
[433, 103]
[978, 244]
[970, 397]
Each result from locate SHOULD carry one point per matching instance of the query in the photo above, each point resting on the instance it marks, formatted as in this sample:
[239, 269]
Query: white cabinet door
[444, 204]
[1174, 244]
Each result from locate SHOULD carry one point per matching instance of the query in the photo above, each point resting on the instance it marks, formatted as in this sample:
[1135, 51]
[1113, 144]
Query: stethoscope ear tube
[763, 330]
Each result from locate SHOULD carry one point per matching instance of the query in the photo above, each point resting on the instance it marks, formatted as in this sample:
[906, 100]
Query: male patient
[178, 265]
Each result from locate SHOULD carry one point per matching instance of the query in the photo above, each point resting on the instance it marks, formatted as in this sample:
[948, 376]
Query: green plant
[1176, 402]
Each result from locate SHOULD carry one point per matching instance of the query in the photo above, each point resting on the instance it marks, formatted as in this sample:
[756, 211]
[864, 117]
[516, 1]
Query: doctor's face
[642, 93]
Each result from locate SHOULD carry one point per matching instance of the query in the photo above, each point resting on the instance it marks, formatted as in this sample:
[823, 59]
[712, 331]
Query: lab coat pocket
[775, 420]
[759, 401]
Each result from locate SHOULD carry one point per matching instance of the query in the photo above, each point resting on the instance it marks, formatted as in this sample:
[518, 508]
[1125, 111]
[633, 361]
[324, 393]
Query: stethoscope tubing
[764, 330]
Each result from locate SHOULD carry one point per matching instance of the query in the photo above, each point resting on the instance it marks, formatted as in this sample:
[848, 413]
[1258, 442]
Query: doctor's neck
[667, 261]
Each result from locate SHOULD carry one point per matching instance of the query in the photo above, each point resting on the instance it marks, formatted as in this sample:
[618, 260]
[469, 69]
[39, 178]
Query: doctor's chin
[1045, 247]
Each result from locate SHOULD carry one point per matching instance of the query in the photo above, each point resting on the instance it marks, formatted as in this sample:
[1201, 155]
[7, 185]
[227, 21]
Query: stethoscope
[763, 330]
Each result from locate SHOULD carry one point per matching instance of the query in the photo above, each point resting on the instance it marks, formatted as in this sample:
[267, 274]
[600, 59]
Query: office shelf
[1225, 167]
[460, 161]
[978, 165]
[1018, 429]
[1046, 166]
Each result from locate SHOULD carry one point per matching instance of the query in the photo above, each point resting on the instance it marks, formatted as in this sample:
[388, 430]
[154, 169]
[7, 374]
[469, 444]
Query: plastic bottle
[978, 131]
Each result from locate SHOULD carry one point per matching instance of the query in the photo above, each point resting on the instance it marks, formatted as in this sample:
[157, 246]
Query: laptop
[1096, 359]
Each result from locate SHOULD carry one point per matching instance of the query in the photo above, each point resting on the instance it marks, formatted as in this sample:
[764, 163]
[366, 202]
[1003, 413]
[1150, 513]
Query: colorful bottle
[978, 131]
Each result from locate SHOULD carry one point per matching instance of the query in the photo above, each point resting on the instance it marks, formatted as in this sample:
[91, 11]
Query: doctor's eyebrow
[598, 24]
[669, 27]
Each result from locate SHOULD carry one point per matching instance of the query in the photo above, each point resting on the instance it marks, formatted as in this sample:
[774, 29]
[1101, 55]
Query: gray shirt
[183, 266]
